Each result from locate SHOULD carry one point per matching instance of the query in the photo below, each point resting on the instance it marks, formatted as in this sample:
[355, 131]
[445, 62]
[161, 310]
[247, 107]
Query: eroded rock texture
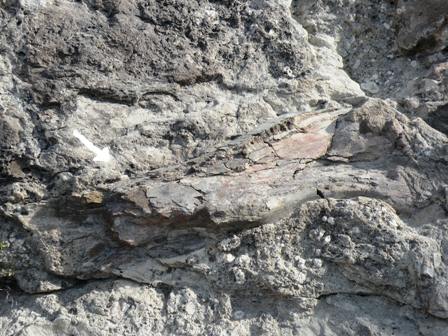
[278, 167]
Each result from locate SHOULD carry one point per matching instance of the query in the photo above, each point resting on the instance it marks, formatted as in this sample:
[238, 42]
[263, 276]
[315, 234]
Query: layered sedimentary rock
[277, 167]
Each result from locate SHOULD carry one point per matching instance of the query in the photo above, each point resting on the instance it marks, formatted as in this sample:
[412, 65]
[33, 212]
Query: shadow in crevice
[439, 119]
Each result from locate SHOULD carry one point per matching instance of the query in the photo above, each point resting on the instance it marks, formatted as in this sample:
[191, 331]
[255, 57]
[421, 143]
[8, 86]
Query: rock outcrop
[276, 167]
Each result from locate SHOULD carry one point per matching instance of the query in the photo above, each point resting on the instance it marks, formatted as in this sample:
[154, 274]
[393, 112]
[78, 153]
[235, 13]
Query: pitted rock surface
[278, 167]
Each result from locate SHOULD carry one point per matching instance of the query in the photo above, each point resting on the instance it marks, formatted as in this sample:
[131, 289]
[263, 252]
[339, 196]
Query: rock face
[277, 167]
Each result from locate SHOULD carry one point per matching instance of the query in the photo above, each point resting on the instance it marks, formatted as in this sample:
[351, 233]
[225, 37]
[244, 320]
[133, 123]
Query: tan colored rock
[303, 146]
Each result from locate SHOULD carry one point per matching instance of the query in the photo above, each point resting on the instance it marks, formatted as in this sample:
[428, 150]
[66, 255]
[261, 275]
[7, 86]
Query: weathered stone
[254, 188]
[423, 26]
[302, 146]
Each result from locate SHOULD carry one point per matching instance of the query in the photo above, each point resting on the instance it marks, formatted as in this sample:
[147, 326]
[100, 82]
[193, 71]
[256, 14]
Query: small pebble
[331, 221]
[411, 102]
[243, 260]
[288, 72]
[326, 240]
[370, 87]
[301, 277]
[228, 258]
[240, 277]
[317, 262]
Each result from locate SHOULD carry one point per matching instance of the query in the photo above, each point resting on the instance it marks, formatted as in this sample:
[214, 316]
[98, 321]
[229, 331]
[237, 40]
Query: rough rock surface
[278, 167]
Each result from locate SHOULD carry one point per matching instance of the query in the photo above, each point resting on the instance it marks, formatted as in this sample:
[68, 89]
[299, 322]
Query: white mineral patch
[228, 257]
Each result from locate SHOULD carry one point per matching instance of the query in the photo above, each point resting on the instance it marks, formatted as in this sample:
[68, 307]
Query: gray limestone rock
[277, 167]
